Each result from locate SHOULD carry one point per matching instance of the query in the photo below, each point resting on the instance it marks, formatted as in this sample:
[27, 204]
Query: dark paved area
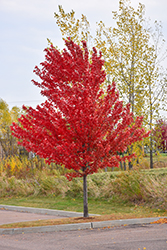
[12, 216]
[149, 237]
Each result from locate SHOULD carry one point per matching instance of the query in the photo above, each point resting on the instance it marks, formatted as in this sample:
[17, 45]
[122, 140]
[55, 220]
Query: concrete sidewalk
[7, 217]
[44, 211]
[12, 214]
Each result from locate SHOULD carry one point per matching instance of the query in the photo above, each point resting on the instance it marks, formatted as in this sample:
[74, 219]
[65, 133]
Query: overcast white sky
[25, 26]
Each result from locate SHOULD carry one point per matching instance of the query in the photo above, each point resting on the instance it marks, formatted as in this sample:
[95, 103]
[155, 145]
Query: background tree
[160, 135]
[77, 29]
[7, 116]
[123, 48]
[79, 125]
[133, 54]
[156, 88]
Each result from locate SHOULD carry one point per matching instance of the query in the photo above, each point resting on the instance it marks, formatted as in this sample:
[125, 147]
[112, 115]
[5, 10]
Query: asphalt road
[149, 237]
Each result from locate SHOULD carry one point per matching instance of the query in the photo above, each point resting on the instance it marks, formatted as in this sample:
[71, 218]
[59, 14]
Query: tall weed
[137, 186]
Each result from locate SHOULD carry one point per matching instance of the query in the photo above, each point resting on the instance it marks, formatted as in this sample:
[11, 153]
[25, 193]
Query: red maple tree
[80, 125]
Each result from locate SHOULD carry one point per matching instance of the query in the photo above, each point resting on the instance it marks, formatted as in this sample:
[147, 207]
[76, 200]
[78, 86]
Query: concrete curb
[78, 226]
[43, 211]
[44, 229]
[100, 224]
[67, 227]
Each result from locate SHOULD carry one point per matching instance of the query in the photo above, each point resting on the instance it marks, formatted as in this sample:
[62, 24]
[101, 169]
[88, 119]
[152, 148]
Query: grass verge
[110, 209]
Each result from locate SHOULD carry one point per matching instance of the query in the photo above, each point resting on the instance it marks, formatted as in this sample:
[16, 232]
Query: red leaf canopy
[79, 125]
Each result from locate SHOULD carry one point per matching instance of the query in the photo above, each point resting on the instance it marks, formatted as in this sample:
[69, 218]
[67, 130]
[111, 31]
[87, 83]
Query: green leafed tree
[8, 143]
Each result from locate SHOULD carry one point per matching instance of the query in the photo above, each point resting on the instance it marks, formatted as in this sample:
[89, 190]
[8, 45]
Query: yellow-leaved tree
[133, 58]
[77, 29]
[8, 144]
[132, 52]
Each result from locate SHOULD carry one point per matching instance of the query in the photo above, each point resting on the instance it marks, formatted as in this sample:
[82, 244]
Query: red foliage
[160, 134]
[78, 125]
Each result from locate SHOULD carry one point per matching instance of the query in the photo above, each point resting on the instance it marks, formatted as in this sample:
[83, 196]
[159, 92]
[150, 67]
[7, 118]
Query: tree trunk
[121, 165]
[151, 152]
[151, 136]
[124, 166]
[124, 163]
[130, 165]
[85, 194]
[130, 152]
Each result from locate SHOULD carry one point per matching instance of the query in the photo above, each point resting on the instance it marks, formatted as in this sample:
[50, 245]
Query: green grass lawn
[108, 209]
[96, 206]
